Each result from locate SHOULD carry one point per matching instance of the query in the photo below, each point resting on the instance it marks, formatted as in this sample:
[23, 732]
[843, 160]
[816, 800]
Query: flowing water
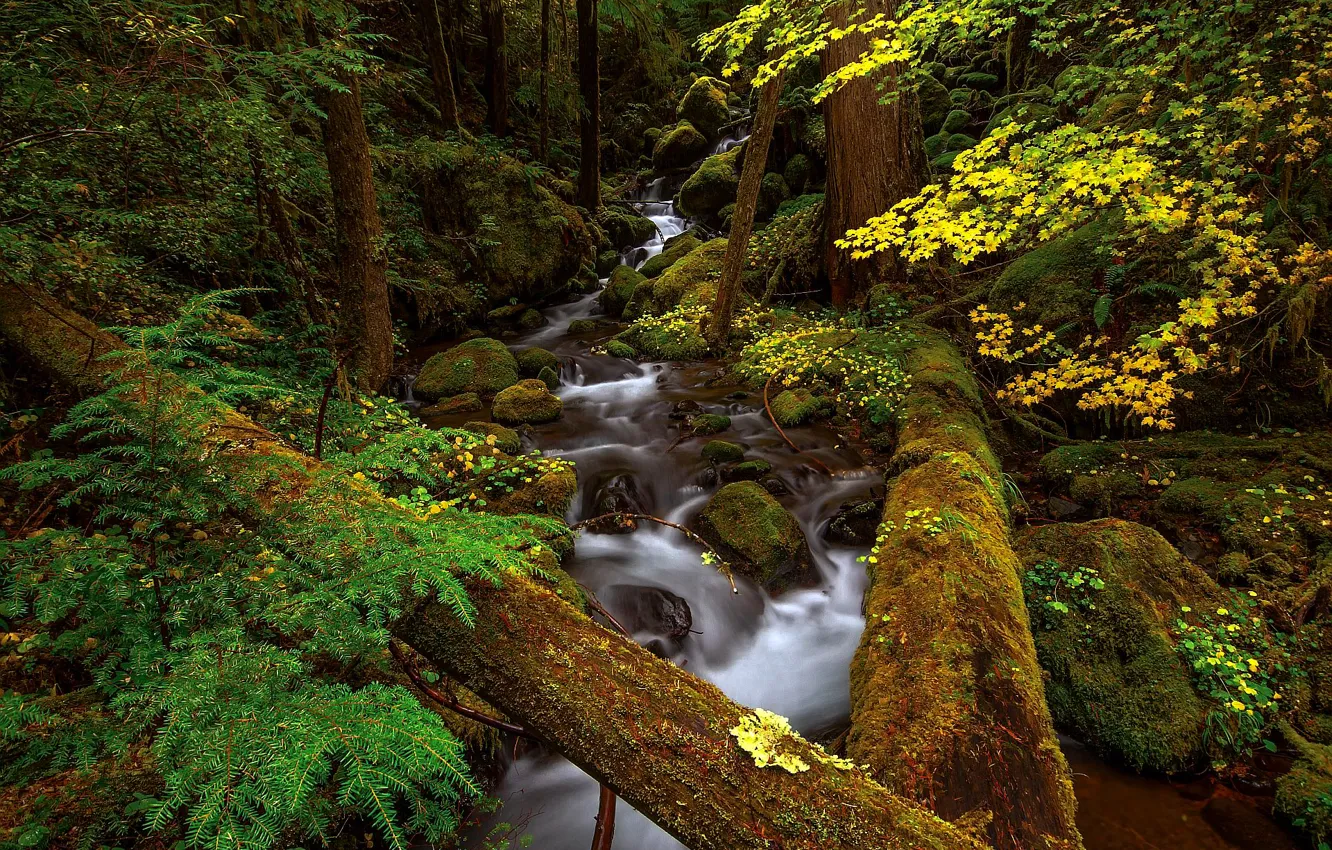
[789, 654]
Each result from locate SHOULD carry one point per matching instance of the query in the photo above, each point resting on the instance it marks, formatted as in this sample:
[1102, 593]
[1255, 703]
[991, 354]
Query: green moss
[528, 401]
[506, 439]
[532, 360]
[745, 521]
[704, 106]
[978, 80]
[531, 319]
[956, 120]
[959, 142]
[772, 192]
[750, 470]
[1057, 281]
[618, 290]
[720, 451]
[712, 186]
[550, 493]
[463, 403]
[797, 173]
[606, 262]
[679, 147]
[677, 248]
[483, 366]
[796, 407]
[616, 348]
[934, 105]
[550, 378]
[1304, 795]
[936, 144]
[690, 280]
[1025, 113]
[639, 302]
[624, 227]
[706, 424]
[1116, 681]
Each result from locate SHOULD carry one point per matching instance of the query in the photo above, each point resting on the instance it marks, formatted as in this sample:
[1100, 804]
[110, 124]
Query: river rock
[704, 106]
[506, 439]
[720, 451]
[750, 527]
[619, 289]
[679, 147]
[705, 424]
[464, 403]
[855, 523]
[649, 609]
[618, 495]
[750, 470]
[483, 366]
[528, 401]
[532, 360]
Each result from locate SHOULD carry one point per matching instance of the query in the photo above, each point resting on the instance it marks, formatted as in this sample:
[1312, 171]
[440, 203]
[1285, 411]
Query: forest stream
[789, 653]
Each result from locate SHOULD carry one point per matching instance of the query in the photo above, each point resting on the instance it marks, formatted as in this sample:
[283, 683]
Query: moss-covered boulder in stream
[624, 227]
[618, 290]
[483, 366]
[747, 524]
[528, 401]
[464, 403]
[621, 349]
[506, 439]
[691, 280]
[1057, 281]
[676, 248]
[796, 407]
[679, 147]
[712, 186]
[532, 360]
[720, 451]
[704, 106]
[532, 485]
[1101, 596]
[706, 424]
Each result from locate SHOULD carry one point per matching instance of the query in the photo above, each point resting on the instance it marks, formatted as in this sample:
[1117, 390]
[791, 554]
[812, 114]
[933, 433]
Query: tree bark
[441, 69]
[742, 220]
[947, 701]
[362, 266]
[654, 734]
[875, 158]
[543, 138]
[589, 118]
[1019, 54]
[497, 67]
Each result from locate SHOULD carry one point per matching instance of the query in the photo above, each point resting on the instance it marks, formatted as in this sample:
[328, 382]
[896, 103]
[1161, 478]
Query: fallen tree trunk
[656, 735]
[947, 701]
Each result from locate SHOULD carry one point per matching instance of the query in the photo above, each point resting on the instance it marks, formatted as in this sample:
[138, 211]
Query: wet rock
[530, 320]
[550, 378]
[650, 609]
[679, 147]
[464, 403]
[528, 401]
[855, 523]
[607, 262]
[712, 186]
[1063, 509]
[483, 366]
[532, 360]
[746, 523]
[616, 348]
[685, 409]
[624, 227]
[775, 486]
[506, 439]
[720, 451]
[1242, 825]
[674, 251]
[750, 470]
[704, 106]
[795, 407]
[619, 289]
[706, 424]
[738, 395]
[618, 495]
[586, 326]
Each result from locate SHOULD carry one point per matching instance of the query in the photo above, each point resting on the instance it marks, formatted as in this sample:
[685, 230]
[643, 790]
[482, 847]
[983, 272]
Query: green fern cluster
[203, 596]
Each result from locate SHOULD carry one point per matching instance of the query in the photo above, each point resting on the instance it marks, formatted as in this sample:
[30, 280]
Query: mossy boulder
[747, 524]
[712, 186]
[528, 401]
[979, 80]
[550, 378]
[681, 146]
[618, 290]
[797, 173]
[704, 106]
[934, 104]
[772, 191]
[689, 281]
[617, 348]
[959, 142]
[956, 120]
[1116, 681]
[532, 360]
[1304, 795]
[1023, 113]
[706, 424]
[750, 470]
[676, 248]
[464, 403]
[483, 366]
[720, 451]
[654, 342]
[936, 144]
[607, 261]
[550, 492]
[506, 439]
[795, 407]
[624, 227]
[1057, 280]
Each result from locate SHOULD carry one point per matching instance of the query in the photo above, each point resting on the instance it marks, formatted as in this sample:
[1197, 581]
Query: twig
[452, 703]
[721, 562]
[593, 601]
[604, 834]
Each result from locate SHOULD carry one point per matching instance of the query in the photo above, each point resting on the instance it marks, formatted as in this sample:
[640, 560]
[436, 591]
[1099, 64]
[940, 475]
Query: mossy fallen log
[947, 702]
[655, 734]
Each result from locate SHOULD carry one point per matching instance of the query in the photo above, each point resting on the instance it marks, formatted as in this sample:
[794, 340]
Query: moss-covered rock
[1116, 681]
[689, 280]
[528, 401]
[772, 191]
[712, 186]
[463, 403]
[750, 470]
[674, 250]
[745, 522]
[679, 147]
[959, 142]
[531, 319]
[934, 105]
[532, 360]
[1304, 795]
[624, 227]
[1025, 113]
[639, 302]
[621, 349]
[797, 173]
[550, 492]
[1057, 280]
[618, 290]
[956, 120]
[506, 439]
[657, 343]
[483, 366]
[936, 144]
[550, 378]
[795, 407]
[978, 80]
[704, 106]
[607, 261]
[706, 424]
[720, 451]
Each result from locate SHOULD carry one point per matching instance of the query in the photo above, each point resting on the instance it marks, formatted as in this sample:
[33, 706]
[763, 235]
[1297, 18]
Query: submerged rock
[750, 470]
[618, 495]
[528, 401]
[745, 522]
[706, 424]
[650, 609]
[482, 366]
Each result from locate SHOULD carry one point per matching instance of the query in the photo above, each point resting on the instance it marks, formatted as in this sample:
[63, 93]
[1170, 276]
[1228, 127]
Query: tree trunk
[497, 67]
[742, 220]
[656, 735]
[1019, 54]
[543, 140]
[947, 701]
[875, 158]
[362, 266]
[589, 117]
[441, 69]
